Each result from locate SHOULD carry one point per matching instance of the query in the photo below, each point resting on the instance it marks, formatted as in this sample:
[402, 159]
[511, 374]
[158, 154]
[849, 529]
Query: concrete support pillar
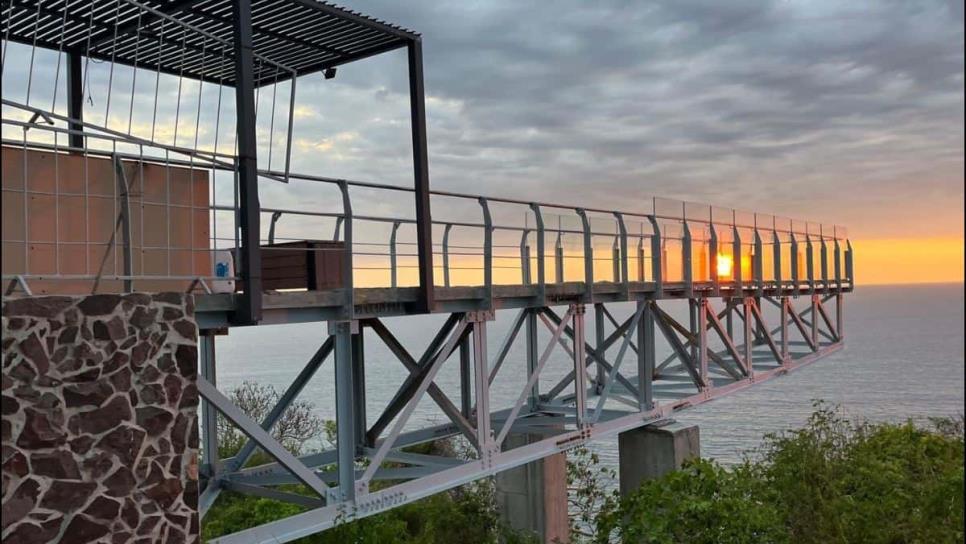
[533, 497]
[652, 451]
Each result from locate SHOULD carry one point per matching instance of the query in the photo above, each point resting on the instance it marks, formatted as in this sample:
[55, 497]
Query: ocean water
[903, 359]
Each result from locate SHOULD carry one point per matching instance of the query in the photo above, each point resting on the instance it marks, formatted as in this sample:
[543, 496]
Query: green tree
[834, 480]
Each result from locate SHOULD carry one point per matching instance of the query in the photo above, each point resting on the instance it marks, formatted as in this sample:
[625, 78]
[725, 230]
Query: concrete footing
[533, 497]
[652, 451]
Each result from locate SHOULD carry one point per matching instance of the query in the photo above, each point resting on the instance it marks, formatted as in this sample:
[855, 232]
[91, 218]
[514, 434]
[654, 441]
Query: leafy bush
[298, 425]
[834, 480]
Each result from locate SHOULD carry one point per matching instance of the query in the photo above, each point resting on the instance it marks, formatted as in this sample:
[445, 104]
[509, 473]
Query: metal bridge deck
[214, 310]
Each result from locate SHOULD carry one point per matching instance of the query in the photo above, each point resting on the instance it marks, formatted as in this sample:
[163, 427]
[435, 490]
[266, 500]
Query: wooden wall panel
[72, 206]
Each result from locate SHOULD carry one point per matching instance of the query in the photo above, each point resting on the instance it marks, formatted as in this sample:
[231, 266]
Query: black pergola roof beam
[303, 36]
[146, 19]
[359, 19]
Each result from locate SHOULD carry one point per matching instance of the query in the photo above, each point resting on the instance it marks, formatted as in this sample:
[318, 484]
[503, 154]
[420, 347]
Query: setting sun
[724, 266]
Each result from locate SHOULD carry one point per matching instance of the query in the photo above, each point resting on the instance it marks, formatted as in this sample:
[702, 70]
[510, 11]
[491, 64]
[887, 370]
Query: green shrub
[834, 480]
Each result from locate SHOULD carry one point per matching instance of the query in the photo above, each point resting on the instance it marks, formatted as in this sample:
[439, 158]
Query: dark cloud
[844, 112]
[848, 113]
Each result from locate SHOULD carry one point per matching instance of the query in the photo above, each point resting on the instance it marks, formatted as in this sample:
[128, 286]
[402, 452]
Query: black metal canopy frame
[243, 44]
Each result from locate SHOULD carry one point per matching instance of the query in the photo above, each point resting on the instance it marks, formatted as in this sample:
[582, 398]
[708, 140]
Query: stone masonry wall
[100, 436]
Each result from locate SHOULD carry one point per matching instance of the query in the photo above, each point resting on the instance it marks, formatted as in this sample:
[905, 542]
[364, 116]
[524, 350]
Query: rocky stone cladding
[100, 437]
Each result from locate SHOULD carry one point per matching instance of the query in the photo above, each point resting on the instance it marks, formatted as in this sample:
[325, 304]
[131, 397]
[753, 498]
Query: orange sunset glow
[908, 260]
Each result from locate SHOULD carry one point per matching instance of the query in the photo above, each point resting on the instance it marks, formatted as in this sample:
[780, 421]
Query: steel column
[646, 356]
[466, 373]
[209, 417]
[532, 355]
[580, 366]
[75, 99]
[484, 434]
[784, 329]
[840, 316]
[600, 347]
[249, 307]
[359, 387]
[703, 339]
[814, 324]
[424, 220]
[344, 408]
[747, 303]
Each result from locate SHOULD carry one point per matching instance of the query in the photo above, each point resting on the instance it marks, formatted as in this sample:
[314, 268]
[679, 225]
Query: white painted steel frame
[561, 414]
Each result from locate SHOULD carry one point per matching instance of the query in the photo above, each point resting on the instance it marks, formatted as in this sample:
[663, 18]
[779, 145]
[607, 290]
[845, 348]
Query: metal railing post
[446, 230]
[558, 255]
[686, 260]
[487, 254]
[656, 258]
[713, 249]
[337, 233]
[739, 289]
[615, 260]
[809, 263]
[776, 242]
[271, 227]
[838, 265]
[541, 261]
[348, 308]
[588, 256]
[624, 272]
[849, 270]
[525, 258]
[794, 263]
[758, 264]
[823, 261]
[392, 255]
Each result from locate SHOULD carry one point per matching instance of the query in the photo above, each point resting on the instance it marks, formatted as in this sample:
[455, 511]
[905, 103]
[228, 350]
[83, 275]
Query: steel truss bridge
[761, 295]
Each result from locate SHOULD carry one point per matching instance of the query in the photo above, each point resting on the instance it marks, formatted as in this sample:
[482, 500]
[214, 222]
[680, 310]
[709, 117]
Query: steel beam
[319, 519]
[424, 220]
[308, 371]
[457, 416]
[262, 438]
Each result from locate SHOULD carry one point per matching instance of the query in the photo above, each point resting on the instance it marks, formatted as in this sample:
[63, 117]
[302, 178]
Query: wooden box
[305, 264]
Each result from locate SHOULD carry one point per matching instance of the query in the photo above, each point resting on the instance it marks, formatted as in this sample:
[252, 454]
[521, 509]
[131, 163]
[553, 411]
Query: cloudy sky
[847, 113]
